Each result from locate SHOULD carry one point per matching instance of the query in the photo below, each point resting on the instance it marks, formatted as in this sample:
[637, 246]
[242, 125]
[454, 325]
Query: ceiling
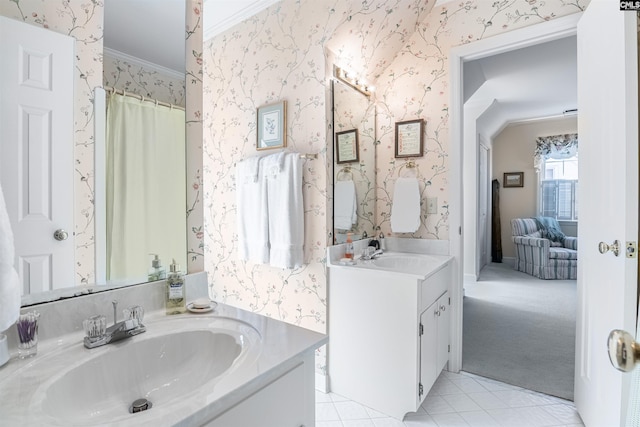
[530, 83]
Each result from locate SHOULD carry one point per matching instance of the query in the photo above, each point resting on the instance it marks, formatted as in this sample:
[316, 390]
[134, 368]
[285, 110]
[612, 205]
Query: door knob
[614, 247]
[624, 351]
[60, 235]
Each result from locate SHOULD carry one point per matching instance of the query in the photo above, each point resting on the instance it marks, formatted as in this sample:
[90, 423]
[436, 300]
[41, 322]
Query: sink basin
[402, 262]
[408, 263]
[167, 368]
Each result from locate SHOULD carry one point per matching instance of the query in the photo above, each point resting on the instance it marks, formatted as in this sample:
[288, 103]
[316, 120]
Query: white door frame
[512, 40]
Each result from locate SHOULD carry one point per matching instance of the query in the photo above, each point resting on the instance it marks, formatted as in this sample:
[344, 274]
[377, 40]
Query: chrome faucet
[97, 334]
[370, 253]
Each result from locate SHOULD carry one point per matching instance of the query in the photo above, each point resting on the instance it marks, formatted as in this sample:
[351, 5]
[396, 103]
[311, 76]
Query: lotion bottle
[348, 252]
[175, 301]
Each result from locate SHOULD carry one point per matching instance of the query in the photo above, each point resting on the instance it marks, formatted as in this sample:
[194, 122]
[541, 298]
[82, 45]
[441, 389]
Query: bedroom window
[558, 195]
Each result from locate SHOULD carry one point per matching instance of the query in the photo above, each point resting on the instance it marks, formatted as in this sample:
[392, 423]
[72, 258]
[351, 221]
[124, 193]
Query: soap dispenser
[156, 272]
[175, 301]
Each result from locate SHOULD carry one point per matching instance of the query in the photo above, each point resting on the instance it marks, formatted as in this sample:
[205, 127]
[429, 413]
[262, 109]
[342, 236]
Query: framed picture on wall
[410, 138]
[347, 146]
[272, 126]
[513, 179]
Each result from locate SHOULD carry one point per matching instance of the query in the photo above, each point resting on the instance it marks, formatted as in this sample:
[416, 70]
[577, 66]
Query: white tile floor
[457, 400]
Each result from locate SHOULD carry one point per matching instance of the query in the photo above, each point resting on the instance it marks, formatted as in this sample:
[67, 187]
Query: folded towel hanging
[405, 211]
[345, 205]
[9, 280]
[286, 213]
[251, 211]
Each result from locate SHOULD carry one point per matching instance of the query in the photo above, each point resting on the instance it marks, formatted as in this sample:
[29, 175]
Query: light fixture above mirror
[352, 80]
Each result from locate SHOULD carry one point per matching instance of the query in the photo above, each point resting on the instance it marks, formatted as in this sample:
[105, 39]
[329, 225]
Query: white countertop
[418, 266]
[22, 381]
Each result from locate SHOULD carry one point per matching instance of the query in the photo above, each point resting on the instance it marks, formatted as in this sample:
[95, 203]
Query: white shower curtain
[146, 187]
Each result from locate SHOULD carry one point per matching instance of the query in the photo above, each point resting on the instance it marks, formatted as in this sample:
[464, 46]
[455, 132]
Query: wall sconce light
[354, 82]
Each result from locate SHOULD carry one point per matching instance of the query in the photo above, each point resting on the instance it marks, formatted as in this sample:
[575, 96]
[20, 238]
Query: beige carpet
[521, 330]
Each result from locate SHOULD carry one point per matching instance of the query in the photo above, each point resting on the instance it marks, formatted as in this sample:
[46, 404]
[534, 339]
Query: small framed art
[410, 138]
[347, 146]
[272, 126]
[513, 179]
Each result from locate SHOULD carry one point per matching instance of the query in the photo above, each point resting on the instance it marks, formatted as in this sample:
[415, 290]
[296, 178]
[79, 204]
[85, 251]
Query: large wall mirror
[155, 177]
[354, 163]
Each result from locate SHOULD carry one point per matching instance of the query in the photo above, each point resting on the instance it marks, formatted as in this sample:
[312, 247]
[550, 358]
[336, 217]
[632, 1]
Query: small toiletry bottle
[175, 298]
[383, 244]
[156, 272]
[348, 252]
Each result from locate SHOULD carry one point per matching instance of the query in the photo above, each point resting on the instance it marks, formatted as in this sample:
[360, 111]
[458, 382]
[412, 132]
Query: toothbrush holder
[27, 326]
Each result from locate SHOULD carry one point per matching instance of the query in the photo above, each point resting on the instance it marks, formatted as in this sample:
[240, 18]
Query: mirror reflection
[139, 172]
[144, 227]
[354, 172]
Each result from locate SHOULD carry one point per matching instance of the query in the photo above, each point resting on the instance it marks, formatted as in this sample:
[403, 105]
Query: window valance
[555, 147]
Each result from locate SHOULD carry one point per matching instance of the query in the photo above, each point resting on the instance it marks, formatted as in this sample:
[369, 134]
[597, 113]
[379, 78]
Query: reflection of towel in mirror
[405, 211]
[9, 280]
[286, 212]
[345, 205]
[252, 215]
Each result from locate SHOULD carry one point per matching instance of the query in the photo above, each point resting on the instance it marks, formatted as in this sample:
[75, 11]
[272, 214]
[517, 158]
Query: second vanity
[389, 325]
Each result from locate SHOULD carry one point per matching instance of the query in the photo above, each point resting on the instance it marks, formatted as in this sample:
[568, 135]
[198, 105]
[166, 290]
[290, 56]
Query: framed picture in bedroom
[410, 138]
[272, 126]
[347, 146]
[513, 179]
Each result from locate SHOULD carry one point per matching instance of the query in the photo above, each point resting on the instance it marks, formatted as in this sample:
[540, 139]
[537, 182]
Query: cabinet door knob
[443, 308]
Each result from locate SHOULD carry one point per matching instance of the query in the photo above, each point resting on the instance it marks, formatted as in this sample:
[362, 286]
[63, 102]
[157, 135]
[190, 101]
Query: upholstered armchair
[540, 256]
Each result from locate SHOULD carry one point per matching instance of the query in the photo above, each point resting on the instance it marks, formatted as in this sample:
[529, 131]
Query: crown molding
[242, 14]
[112, 53]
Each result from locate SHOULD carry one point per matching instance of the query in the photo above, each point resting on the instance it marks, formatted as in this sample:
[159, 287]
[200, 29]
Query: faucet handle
[95, 327]
[135, 312]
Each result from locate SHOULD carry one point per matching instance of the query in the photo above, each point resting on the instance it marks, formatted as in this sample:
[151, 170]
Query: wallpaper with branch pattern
[135, 78]
[400, 46]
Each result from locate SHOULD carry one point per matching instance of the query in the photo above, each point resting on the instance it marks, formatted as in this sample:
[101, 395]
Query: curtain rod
[122, 92]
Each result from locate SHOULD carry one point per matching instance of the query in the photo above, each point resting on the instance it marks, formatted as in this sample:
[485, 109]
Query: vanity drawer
[433, 286]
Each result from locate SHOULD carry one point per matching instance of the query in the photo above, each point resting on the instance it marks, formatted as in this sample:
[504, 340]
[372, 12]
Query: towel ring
[345, 170]
[411, 164]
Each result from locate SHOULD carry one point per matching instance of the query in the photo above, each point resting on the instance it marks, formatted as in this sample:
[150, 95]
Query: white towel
[405, 211]
[286, 211]
[9, 280]
[252, 215]
[345, 205]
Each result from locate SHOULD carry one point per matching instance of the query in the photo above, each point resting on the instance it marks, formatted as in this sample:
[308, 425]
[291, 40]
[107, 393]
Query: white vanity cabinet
[434, 342]
[388, 334]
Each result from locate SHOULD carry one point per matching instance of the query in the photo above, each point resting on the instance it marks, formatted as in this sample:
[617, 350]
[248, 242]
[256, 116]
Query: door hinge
[420, 390]
[460, 230]
[449, 348]
[421, 331]
[449, 300]
[631, 250]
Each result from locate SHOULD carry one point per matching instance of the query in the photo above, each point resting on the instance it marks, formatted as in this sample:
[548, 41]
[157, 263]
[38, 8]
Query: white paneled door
[36, 151]
[608, 210]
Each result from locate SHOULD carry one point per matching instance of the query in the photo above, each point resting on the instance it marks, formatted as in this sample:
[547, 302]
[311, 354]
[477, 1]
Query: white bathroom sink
[409, 263]
[167, 367]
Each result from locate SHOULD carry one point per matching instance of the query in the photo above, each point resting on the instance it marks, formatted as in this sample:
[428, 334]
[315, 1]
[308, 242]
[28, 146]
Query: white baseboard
[322, 382]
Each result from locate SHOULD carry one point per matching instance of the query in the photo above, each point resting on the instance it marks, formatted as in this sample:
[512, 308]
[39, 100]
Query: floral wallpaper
[416, 85]
[352, 110]
[143, 81]
[193, 81]
[286, 53]
[82, 20]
